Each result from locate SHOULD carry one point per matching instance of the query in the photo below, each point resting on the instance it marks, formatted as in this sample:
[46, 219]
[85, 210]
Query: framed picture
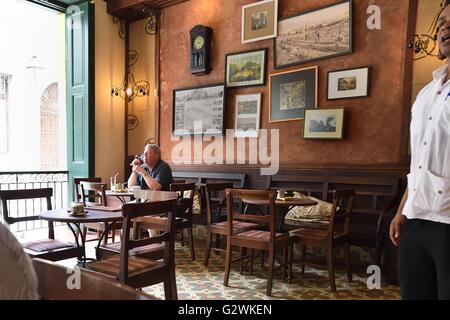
[324, 123]
[247, 114]
[259, 21]
[199, 110]
[291, 93]
[245, 68]
[350, 83]
[318, 34]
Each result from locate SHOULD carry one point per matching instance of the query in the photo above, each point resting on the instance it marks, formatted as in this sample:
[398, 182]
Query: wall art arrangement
[324, 123]
[307, 36]
[199, 110]
[245, 68]
[259, 21]
[247, 115]
[291, 93]
[319, 34]
[348, 83]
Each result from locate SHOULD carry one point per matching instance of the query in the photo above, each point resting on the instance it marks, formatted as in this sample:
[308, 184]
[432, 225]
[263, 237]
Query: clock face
[199, 41]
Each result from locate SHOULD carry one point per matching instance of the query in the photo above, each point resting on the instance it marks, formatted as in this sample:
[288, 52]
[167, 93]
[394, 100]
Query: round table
[100, 214]
[121, 195]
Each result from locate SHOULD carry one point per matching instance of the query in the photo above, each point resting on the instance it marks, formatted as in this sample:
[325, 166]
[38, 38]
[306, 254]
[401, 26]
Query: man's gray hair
[154, 147]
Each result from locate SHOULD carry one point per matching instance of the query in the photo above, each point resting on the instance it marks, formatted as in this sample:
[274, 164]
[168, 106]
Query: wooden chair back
[93, 193]
[76, 186]
[42, 193]
[131, 211]
[185, 202]
[53, 282]
[341, 211]
[264, 197]
[216, 200]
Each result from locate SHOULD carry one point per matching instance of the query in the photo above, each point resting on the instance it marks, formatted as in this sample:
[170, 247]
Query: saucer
[81, 214]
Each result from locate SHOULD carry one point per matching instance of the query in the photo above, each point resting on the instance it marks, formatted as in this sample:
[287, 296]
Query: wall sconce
[130, 88]
[424, 44]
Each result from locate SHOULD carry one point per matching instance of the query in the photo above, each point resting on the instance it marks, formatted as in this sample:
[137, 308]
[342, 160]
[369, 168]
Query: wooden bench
[376, 201]
[201, 178]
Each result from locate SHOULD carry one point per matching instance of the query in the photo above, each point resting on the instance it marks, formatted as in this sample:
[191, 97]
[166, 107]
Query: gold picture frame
[259, 21]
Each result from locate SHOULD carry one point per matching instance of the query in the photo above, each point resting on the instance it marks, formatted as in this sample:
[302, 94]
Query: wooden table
[107, 215]
[284, 206]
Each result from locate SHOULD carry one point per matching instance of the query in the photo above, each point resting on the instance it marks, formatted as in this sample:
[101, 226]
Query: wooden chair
[77, 188]
[53, 279]
[254, 239]
[49, 248]
[94, 194]
[217, 224]
[337, 234]
[139, 272]
[183, 219]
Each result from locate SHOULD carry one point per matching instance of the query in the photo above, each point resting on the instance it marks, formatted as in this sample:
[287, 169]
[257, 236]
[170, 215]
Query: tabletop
[288, 202]
[92, 215]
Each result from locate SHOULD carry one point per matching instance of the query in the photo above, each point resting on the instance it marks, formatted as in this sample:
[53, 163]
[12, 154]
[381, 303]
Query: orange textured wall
[373, 134]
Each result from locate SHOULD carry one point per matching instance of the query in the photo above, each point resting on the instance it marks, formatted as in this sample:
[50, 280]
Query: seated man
[154, 173]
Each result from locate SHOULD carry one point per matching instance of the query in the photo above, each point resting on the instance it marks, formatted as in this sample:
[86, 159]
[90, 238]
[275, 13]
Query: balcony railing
[57, 180]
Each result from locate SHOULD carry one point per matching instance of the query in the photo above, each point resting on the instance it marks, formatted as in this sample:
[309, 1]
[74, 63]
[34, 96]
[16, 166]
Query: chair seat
[314, 234]
[46, 245]
[238, 226]
[111, 266]
[259, 235]
[154, 247]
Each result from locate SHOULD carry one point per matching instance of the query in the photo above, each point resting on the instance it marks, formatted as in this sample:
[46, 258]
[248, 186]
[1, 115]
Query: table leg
[82, 247]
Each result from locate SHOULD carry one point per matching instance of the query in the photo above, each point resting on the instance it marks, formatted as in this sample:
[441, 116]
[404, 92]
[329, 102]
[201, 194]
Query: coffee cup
[77, 208]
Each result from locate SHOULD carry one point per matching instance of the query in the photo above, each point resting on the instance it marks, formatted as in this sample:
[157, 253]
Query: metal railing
[57, 180]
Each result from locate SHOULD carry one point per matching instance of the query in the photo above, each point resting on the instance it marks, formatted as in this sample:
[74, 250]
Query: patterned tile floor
[196, 282]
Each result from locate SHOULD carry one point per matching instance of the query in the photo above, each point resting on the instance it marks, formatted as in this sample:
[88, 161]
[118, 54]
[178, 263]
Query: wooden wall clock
[200, 50]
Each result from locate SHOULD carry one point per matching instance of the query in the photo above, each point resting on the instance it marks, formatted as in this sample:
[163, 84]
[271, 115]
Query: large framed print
[247, 115]
[246, 68]
[199, 110]
[349, 83]
[318, 34]
[324, 123]
[291, 93]
[259, 21]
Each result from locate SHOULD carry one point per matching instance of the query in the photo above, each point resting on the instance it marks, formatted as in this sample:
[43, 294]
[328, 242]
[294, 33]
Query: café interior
[291, 201]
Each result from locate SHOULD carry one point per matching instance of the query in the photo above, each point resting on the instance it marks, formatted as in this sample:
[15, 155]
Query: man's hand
[396, 227]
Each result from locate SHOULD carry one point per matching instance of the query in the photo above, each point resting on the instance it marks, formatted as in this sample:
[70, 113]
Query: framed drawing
[246, 68]
[291, 93]
[259, 21]
[324, 123]
[318, 34]
[199, 110]
[349, 83]
[246, 119]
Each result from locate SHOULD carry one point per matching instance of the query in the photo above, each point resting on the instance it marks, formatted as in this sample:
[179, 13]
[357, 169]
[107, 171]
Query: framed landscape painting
[291, 93]
[199, 110]
[247, 115]
[245, 68]
[350, 83]
[259, 21]
[318, 34]
[324, 123]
